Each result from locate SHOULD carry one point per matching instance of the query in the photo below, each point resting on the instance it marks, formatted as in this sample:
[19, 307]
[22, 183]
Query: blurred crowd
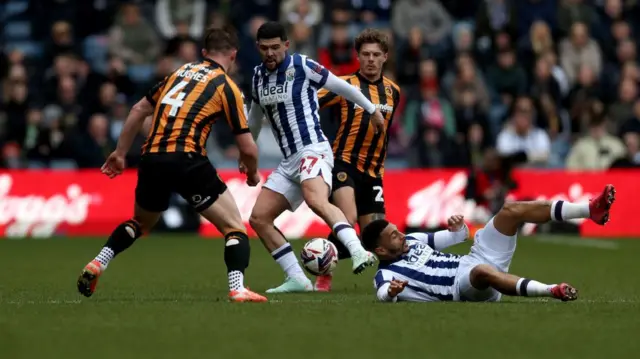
[487, 84]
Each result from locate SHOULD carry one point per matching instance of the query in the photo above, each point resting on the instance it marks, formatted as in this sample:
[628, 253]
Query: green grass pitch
[166, 298]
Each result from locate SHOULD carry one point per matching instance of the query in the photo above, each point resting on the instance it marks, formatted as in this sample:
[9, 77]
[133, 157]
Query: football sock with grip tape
[121, 238]
[236, 256]
[343, 252]
[531, 288]
[563, 210]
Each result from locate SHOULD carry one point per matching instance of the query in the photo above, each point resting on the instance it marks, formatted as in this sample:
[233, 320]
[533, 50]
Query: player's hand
[455, 223]
[114, 165]
[378, 121]
[396, 287]
[253, 179]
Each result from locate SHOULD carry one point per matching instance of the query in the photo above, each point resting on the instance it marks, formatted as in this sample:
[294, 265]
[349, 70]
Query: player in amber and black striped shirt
[359, 149]
[183, 107]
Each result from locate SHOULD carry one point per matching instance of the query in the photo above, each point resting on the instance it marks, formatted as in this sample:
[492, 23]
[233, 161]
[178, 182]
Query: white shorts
[312, 161]
[489, 247]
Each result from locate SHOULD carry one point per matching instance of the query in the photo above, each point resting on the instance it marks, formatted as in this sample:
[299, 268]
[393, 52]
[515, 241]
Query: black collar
[366, 80]
[213, 63]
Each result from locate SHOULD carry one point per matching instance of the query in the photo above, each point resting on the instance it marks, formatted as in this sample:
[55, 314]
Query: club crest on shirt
[342, 176]
[317, 68]
[291, 74]
[388, 91]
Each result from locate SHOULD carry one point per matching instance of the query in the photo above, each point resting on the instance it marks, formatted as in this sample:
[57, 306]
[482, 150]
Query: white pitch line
[573, 242]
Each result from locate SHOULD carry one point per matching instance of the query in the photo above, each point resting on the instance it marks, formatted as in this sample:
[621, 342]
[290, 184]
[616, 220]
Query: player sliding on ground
[359, 151]
[412, 268]
[184, 107]
[285, 90]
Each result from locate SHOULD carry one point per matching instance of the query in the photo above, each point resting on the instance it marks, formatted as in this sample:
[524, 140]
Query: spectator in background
[466, 75]
[597, 150]
[585, 92]
[530, 11]
[180, 18]
[631, 158]
[622, 109]
[633, 123]
[302, 18]
[132, 38]
[507, 78]
[573, 11]
[494, 16]
[468, 113]
[579, 49]
[558, 73]
[52, 142]
[544, 85]
[411, 54]
[430, 17]
[539, 42]
[248, 56]
[373, 12]
[93, 147]
[339, 56]
[521, 139]
[62, 41]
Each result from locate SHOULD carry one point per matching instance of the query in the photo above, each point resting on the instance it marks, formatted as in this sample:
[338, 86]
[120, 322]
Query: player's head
[384, 239]
[272, 43]
[220, 44]
[373, 47]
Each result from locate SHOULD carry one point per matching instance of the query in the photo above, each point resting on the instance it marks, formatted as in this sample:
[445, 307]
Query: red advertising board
[83, 203]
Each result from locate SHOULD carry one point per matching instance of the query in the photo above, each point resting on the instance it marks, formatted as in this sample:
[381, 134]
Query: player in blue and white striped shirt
[412, 268]
[285, 91]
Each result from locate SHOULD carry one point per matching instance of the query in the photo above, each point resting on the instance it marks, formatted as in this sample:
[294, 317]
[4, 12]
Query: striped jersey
[288, 96]
[430, 274]
[188, 102]
[356, 142]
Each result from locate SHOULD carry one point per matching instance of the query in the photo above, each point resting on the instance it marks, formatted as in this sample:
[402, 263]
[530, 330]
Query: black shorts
[368, 190]
[190, 175]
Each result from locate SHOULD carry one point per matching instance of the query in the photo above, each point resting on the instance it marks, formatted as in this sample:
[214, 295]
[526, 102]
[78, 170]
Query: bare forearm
[133, 124]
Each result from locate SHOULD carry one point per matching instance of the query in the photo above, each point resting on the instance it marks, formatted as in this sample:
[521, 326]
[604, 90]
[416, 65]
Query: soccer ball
[319, 256]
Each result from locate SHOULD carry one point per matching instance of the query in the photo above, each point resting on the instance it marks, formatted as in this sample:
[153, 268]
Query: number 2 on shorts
[307, 163]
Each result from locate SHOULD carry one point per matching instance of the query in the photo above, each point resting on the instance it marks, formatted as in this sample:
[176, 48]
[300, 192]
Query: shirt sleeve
[442, 239]
[153, 96]
[349, 92]
[315, 72]
[231, 100]
[382, 282]
[255, 119]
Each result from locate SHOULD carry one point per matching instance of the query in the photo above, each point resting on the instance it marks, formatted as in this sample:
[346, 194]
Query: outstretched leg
[496, 243]
[120, 239]
[485, 276]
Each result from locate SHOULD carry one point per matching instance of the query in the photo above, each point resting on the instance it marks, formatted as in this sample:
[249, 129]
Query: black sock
[343, 252]
[236, 256]
[123, 236]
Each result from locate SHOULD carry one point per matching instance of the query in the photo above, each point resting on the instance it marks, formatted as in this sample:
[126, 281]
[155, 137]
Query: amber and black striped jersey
[188, 102]
[356, 142]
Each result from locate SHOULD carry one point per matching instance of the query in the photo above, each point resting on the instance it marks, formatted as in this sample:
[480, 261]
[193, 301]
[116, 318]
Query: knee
[257, 221]
[511, 210]
[482, 273]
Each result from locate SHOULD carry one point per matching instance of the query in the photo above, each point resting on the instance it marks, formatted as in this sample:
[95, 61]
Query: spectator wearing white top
[596, 151]
[521, 138]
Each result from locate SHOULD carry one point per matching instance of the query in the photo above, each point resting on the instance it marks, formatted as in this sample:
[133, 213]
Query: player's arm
[231, 99]
[255, 120]
[387, 287]
[327, 98]
[136, 118]
[458, 232]
[321, 77]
